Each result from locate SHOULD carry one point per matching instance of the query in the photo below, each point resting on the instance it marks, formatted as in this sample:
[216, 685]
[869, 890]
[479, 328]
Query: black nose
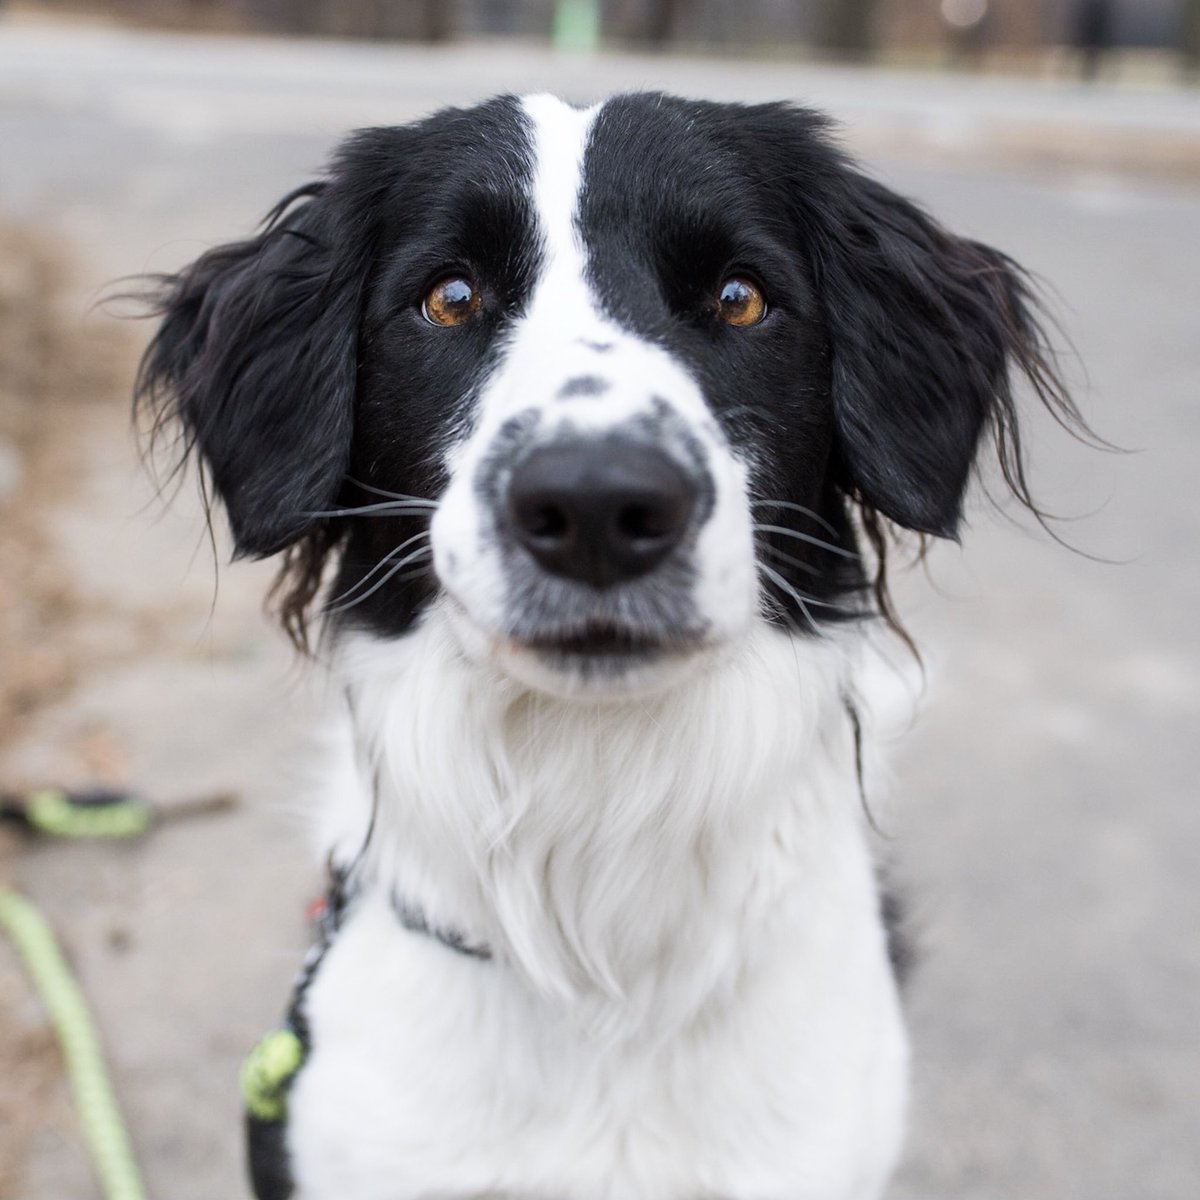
[600, 512]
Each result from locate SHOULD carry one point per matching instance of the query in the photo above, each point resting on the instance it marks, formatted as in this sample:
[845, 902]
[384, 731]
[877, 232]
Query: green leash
[99, 1112]
[102, 813]
[96, 814]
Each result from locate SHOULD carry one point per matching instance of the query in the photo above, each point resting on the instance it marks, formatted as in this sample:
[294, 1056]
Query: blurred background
[1044, 821]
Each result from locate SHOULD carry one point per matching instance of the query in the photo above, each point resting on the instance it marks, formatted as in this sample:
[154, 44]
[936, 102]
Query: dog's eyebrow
[583, 385]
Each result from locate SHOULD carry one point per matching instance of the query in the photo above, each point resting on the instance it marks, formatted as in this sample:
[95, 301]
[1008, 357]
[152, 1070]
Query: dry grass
[50, 367]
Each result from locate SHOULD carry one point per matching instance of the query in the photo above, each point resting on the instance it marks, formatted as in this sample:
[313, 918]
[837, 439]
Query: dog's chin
[599, 661]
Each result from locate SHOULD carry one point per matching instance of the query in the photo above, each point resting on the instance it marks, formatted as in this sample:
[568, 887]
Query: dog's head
[612, 384]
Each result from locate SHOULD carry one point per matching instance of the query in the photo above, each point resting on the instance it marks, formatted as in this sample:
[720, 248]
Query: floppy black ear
[924, 327]
[256, 358]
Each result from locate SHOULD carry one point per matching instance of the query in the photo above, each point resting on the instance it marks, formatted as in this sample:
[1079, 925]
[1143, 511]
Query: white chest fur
[689, 995]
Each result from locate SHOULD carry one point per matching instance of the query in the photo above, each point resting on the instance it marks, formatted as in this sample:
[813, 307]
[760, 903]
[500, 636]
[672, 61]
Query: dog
[583, 434]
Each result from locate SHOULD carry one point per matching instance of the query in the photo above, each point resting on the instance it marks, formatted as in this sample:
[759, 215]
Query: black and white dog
[596, 423]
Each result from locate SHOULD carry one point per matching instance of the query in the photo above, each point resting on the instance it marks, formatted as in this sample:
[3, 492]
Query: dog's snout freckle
[583, 385]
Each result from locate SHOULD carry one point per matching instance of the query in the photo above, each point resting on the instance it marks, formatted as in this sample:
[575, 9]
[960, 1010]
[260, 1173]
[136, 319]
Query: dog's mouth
[600, 640]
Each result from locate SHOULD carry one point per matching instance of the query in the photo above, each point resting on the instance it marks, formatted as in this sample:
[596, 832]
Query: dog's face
[595, 527]
[608, 383]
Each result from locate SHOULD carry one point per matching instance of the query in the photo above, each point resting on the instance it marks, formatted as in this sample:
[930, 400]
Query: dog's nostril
[634, 522]
[547, 522]
[601, 513]
[646, 522]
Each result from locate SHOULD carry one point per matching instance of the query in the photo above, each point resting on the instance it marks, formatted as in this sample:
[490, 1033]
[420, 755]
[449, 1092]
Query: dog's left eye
[451, 301]
[740, 302]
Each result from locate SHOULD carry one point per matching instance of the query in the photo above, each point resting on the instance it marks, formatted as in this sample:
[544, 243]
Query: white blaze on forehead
[560, 136]
[565, 319]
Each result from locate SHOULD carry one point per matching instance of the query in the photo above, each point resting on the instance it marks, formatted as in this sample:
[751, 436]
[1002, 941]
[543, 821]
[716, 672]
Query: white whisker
[385, 561]
[791, 560]
[808, 512]
[801, 598]
[779, 581]
[806, 537]
[400, 508]
[378, 491]
[415, 556]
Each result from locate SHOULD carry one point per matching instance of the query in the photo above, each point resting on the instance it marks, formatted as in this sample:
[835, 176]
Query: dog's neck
[609, 853]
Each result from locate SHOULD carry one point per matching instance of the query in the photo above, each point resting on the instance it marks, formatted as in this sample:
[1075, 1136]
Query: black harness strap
[412, 917]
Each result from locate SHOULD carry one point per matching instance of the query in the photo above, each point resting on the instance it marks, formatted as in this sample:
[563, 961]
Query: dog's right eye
[740, 302]
[451, 301]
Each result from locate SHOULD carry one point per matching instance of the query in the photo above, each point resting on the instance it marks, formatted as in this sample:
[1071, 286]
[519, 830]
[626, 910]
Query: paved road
[1046, 820]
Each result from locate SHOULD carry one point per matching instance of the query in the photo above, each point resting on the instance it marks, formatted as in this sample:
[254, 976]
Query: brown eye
[739, 302]
[451, 301]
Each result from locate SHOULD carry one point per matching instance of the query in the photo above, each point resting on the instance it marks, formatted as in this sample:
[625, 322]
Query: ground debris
[51, 364]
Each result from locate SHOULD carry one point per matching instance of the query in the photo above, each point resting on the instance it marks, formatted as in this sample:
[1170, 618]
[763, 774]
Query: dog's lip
[608, 640]
[598, 639]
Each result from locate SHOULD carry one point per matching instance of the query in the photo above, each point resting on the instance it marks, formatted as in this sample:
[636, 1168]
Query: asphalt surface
[1045, 818]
